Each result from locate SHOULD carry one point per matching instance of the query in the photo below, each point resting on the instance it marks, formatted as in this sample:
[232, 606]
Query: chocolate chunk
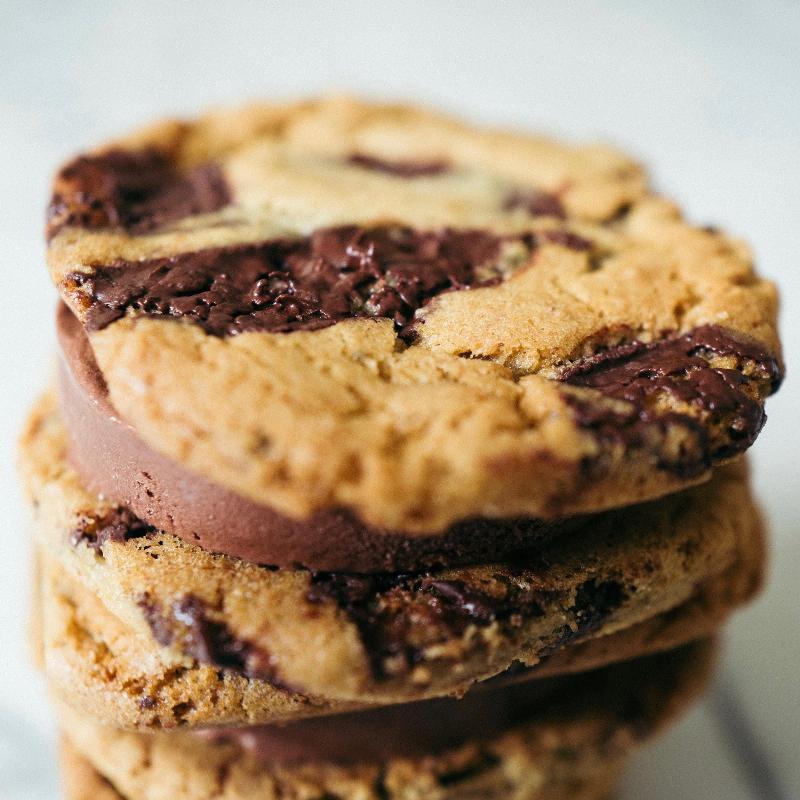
[510, 595]
[680, 368]
[595, 602]
[537, 204]
[399, 616]
[117, 525]
[619, 215]
[136, 190]
[484, 761]
[160, 626]
[288, 285]
[464, 600]
[565, 239]
[401, 169]
[208, 641]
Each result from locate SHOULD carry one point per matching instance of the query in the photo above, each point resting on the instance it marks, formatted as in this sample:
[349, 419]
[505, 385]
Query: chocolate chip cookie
[389, 457]
[373, 338]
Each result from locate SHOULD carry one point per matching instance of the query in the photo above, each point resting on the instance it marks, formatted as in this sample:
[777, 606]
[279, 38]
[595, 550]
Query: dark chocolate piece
[210, 642]
[295, 284]
[537, 204]
[400, 169]
[188, 624]
[566, 239]
[118, 525]
[399, 616]
[595, 602]
[160, 625]
[679, 367]
[139, 191]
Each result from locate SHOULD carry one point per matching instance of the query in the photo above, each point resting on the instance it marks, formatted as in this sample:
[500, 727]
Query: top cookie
[340, 305]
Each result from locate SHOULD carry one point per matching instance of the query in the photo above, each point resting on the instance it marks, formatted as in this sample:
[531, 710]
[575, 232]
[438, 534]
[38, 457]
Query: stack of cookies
[388, 458]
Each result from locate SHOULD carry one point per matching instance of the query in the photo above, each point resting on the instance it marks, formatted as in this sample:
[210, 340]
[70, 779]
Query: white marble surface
[707, 93]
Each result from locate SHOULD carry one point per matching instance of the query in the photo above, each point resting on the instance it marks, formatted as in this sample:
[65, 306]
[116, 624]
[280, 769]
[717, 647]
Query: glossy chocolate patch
[139, 191]
[678, 369]
[399, 616]
[400, 169]
[301, 284]
[188, 625]
[118, 525]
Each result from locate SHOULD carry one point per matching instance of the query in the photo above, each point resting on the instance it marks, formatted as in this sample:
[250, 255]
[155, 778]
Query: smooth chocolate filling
[631, 693]
[114, 461]
[286, 285]
[407, 730]
[139, 191]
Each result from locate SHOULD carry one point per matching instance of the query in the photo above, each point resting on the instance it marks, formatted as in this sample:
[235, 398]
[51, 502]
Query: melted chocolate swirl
[139, 191]
[296, 284]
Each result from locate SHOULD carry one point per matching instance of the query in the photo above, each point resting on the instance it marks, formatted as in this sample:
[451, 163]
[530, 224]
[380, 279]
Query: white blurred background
[708, 94]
